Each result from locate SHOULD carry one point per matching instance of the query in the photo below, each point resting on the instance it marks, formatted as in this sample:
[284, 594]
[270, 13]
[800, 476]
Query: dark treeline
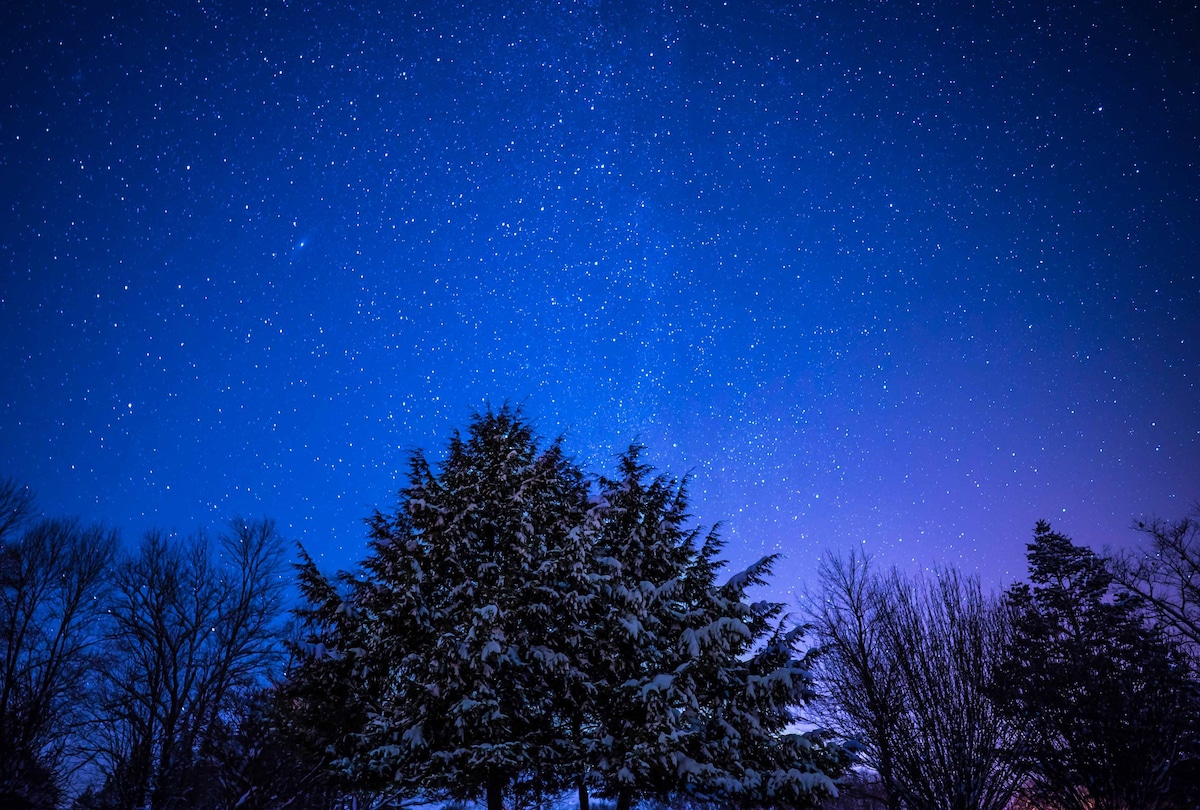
[521, 630]
[1074, 691]
[130, 669]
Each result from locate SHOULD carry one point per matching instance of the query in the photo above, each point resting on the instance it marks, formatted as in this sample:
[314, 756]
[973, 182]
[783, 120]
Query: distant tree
[1166, 576]
[910, 667]
[860, 789]
[194, 633]
[1104, 694]
[254, 763]
[52, 583]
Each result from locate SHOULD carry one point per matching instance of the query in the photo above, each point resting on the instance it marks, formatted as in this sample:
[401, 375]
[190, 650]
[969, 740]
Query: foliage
[695, 688]
[471, 594]
[641, 554]
[327, 695]
[749, 683]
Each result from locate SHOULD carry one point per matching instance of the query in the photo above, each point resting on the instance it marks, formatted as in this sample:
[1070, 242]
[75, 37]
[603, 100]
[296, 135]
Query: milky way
[905, 276]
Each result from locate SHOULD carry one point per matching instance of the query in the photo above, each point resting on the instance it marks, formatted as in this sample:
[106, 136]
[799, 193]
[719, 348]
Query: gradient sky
[905, 275]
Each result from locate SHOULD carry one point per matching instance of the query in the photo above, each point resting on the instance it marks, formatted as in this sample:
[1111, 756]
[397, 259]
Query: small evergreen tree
[329, 690]
[1106, 695]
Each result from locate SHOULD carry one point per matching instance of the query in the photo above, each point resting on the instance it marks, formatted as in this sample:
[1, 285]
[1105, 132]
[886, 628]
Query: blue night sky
[905, 275]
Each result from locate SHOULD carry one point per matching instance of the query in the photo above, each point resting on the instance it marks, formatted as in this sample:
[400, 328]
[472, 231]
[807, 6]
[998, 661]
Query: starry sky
[898, 275]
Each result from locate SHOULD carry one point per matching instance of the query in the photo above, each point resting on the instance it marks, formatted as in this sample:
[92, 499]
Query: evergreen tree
[1106, 696]
[696, 688]
[748, 685]
[509, 633]
[329, 691]
[643, 548]
[472, 595]
[255, 762]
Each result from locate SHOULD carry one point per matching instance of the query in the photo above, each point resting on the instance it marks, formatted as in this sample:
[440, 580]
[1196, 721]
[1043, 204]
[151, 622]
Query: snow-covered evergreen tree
[642, 552]
[749, 681]
[510, 631]
[698, 689]
[474, 588]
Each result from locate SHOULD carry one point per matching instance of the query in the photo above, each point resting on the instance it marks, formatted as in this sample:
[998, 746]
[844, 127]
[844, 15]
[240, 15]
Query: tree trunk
[583, 792]
[891, 791]
[625, 798]
[495, 793]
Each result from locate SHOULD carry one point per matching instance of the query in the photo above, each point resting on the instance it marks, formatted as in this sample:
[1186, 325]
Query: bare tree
[1167, 576]
[908, 666]
[52, 580]
[946, 640]
[193, 631]
[858, 678]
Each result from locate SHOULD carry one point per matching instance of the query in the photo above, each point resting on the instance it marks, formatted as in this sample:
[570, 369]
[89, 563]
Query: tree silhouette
[53, 576]
[1105, 694]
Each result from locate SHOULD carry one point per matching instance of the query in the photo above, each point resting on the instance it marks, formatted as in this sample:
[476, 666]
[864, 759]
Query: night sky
[905, 275]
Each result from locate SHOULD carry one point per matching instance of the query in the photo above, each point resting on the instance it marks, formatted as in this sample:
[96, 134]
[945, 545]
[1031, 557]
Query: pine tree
[748, 682]
[1107, 695]
[509, 633]
[331, 687]
[472, 594]
[643, 548]
[698, 688]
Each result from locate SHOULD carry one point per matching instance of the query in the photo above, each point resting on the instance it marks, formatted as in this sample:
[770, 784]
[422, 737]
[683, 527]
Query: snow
[661, 683]
[741, 580]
